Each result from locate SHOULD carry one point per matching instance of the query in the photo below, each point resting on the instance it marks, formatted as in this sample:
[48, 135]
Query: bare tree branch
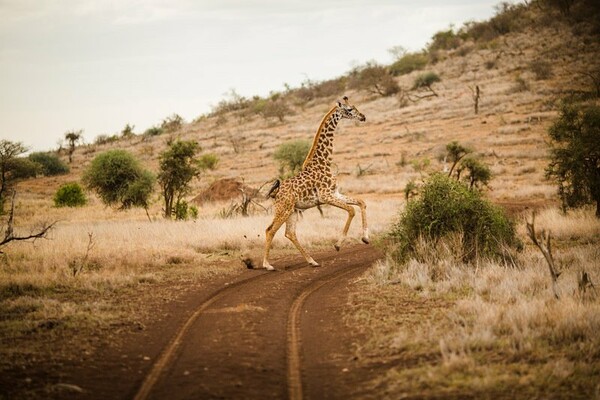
[543, 243]
[9, 235]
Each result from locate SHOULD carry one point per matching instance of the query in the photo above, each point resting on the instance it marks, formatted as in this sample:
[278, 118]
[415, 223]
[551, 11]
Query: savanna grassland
[445, 328]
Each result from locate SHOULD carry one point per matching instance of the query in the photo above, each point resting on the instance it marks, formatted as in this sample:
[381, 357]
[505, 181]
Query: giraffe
[313, 186]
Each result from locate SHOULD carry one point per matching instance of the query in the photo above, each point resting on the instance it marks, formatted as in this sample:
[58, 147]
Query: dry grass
[490, 329]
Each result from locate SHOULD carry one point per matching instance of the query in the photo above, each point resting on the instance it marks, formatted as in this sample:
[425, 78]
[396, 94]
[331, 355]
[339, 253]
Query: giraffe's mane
[311, 153]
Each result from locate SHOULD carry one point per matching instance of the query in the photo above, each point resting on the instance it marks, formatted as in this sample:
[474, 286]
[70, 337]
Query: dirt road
[258, 335]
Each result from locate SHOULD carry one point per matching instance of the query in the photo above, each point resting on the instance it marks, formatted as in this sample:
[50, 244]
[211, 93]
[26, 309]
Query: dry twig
[542, 241]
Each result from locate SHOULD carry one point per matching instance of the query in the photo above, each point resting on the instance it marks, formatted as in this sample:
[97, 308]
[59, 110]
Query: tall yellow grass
[507, 315]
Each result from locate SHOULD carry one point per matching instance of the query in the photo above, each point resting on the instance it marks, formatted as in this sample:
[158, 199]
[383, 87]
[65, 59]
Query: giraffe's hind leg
[278, 220]
[290, 233]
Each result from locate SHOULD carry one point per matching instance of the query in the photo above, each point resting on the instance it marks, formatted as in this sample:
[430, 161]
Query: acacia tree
[455, 152]
[575, 155]
[119, 180]
[178, 167]
[477, 172]
[72, 138]
[9, 151]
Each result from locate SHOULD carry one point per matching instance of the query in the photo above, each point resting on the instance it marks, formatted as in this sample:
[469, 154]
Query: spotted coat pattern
[315, 185]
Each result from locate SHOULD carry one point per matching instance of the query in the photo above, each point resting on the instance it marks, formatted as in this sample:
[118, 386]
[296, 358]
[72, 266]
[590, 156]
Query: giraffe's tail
[274, 189]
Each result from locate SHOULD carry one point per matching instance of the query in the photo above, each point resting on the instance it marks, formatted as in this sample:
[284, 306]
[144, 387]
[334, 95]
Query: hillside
[101, 265]
[516, 106]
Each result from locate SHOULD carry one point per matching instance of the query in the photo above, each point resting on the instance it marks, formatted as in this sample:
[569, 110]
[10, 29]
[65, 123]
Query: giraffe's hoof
[315, 264]
[365, 240]
[270, 268]
[337, 247]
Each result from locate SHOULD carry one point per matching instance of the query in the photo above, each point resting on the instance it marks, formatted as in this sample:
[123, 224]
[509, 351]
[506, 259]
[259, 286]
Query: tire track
[170, 350]
[294, 371]
[168, 354]
[167, 361]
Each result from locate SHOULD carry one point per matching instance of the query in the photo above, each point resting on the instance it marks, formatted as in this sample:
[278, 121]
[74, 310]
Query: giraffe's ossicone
[314, 185]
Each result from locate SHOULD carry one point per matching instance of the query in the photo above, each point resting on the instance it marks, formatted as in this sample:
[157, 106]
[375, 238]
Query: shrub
[508, 18]
[70, 195]
[291, 155]
[50, 164]
[408, 63]
[184, 211]
[426, 80]
[310, 90]
[119, 180]
[446, 207]
[521, 85]
[172, 123]
[444, 40]
[275, 108]
[208, 161]
[153, 131]
[127, 132]
[23, 168]
[105, 139]
[541, 69]
[375, 79]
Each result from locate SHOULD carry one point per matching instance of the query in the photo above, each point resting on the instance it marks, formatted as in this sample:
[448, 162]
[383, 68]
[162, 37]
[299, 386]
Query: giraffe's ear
[345, 98]
[339, 103]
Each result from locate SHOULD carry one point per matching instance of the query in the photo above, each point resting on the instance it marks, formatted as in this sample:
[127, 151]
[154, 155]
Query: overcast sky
[99, 64]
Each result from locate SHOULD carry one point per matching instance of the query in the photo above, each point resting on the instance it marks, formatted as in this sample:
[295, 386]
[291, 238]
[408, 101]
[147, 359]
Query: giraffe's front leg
[336, 201]
[363, 213]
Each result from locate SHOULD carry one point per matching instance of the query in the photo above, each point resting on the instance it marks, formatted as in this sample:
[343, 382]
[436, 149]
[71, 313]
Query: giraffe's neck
[319, 156]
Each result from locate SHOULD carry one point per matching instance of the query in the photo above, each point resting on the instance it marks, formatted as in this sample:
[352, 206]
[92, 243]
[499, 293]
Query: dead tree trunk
[543, 243]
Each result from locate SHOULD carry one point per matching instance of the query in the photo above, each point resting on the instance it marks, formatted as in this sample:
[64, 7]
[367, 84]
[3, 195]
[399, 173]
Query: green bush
[70, 195]
[184, 211]
[50, 164]
[444, 40]
[119, 180]
[208, 161]
[408, 63]
[446, 207]
[23, 168]
[153, 131]
[291, 155]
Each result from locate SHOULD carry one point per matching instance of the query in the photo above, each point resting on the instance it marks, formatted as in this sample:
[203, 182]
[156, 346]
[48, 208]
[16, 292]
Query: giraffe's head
[347, 110]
